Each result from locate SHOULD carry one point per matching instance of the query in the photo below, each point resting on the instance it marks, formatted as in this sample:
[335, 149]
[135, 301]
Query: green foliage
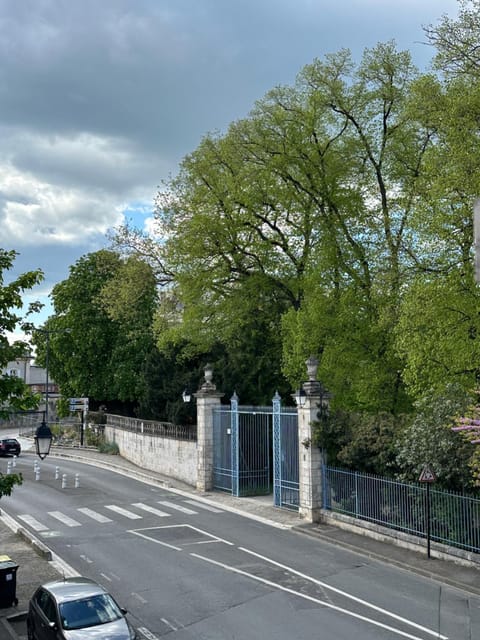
[360, 441]
[439, 332]
[14, 394]
[111, 448]
[456, 40]
[429, 439]
[103, 318]
[7, 482]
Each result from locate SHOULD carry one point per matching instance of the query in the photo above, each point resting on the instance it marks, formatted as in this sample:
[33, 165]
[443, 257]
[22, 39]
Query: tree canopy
[334, 220]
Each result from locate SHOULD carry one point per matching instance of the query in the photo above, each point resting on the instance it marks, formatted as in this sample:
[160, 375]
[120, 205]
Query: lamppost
[43, 435]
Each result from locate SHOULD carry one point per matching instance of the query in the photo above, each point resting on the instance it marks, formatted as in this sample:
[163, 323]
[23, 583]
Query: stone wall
[168, 456]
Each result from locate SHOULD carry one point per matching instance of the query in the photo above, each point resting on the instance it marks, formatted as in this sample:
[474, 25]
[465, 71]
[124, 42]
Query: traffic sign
[78, 404]
[427, 475]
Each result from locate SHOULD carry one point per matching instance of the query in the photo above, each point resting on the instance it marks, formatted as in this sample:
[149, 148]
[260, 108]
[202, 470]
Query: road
[190, 569]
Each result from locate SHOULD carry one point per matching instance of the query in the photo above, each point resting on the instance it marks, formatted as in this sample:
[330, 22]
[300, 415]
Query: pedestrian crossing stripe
[94, 515]
[70, 522]
[177, 507]
[146, 507]
[33, 522]
[201, 505]
[102, 519]
[123, 512]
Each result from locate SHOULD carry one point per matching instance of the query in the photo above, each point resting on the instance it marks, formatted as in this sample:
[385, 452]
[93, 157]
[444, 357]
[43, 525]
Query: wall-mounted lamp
[186, 395]
[300, 396]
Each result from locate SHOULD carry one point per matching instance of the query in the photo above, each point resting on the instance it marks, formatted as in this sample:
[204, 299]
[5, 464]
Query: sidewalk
[35, 566]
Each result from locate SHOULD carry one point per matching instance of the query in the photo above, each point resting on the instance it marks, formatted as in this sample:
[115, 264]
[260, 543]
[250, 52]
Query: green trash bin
[8, 582]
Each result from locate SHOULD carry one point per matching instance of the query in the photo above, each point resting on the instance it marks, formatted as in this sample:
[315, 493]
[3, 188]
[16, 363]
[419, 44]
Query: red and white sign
[427, 475]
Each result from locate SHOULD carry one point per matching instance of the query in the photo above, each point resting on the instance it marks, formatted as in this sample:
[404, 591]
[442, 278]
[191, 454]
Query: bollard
[14, 461]
[77, 481]
[57, 473]
[64, 481]
[37, 473]
[9, 467]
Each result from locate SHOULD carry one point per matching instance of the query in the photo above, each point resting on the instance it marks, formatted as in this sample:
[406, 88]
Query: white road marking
[156, 512]
[123, 512]
[169, 624]
[345, 594]
[207, 507]
[139, 597]
[164, 544]
[94, 515]
[147, 633]
[86, 558]
[104, 575]
[211, 538]
[32, 522]
[70, 522]
[323, 603]
[177, 507]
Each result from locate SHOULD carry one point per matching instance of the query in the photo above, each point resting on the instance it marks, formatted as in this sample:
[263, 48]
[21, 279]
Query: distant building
[36, 378]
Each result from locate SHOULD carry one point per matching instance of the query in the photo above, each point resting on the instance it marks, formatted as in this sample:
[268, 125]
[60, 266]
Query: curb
[39, 547]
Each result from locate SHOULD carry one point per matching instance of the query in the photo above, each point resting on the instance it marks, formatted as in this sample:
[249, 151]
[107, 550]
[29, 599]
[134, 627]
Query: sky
[101, 99]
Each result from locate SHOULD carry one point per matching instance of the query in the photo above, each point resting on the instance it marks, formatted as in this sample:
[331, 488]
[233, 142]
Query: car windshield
[89, 612]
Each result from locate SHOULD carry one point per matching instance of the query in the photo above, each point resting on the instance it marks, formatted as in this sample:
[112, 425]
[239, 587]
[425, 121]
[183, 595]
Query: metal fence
[454, 518]
[26, 421]
[152, 428]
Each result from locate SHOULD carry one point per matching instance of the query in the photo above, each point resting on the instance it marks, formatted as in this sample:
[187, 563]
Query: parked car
[76, 609]
[10, 446]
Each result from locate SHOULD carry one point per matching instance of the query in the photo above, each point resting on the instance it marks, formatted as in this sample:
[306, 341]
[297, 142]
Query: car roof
[73, 589]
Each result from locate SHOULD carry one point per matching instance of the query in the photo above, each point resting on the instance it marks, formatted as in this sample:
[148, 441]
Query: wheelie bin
[8, 582]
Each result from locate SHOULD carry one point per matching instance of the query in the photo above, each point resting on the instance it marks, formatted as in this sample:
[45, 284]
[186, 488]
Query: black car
[10, 446]
[76, 609]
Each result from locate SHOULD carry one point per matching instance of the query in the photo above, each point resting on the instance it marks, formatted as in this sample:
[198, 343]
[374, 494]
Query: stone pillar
[207, 399]
[311, 458]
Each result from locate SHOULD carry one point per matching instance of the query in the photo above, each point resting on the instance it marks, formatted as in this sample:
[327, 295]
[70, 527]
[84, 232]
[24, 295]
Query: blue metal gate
[285, 456]
[242, 449]
[246, 441]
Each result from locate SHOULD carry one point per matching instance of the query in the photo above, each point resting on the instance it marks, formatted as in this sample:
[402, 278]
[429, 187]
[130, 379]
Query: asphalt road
[188, 568]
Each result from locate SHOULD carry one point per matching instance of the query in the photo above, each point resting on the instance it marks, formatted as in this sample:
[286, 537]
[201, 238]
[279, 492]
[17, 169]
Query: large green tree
[303, 207]
[101, 332]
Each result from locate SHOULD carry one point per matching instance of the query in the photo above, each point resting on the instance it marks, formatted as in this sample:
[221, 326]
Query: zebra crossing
[118, 513]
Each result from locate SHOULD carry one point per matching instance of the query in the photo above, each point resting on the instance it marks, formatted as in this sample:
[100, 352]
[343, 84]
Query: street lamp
[300, 396]
[43, 440]
[47, 332]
